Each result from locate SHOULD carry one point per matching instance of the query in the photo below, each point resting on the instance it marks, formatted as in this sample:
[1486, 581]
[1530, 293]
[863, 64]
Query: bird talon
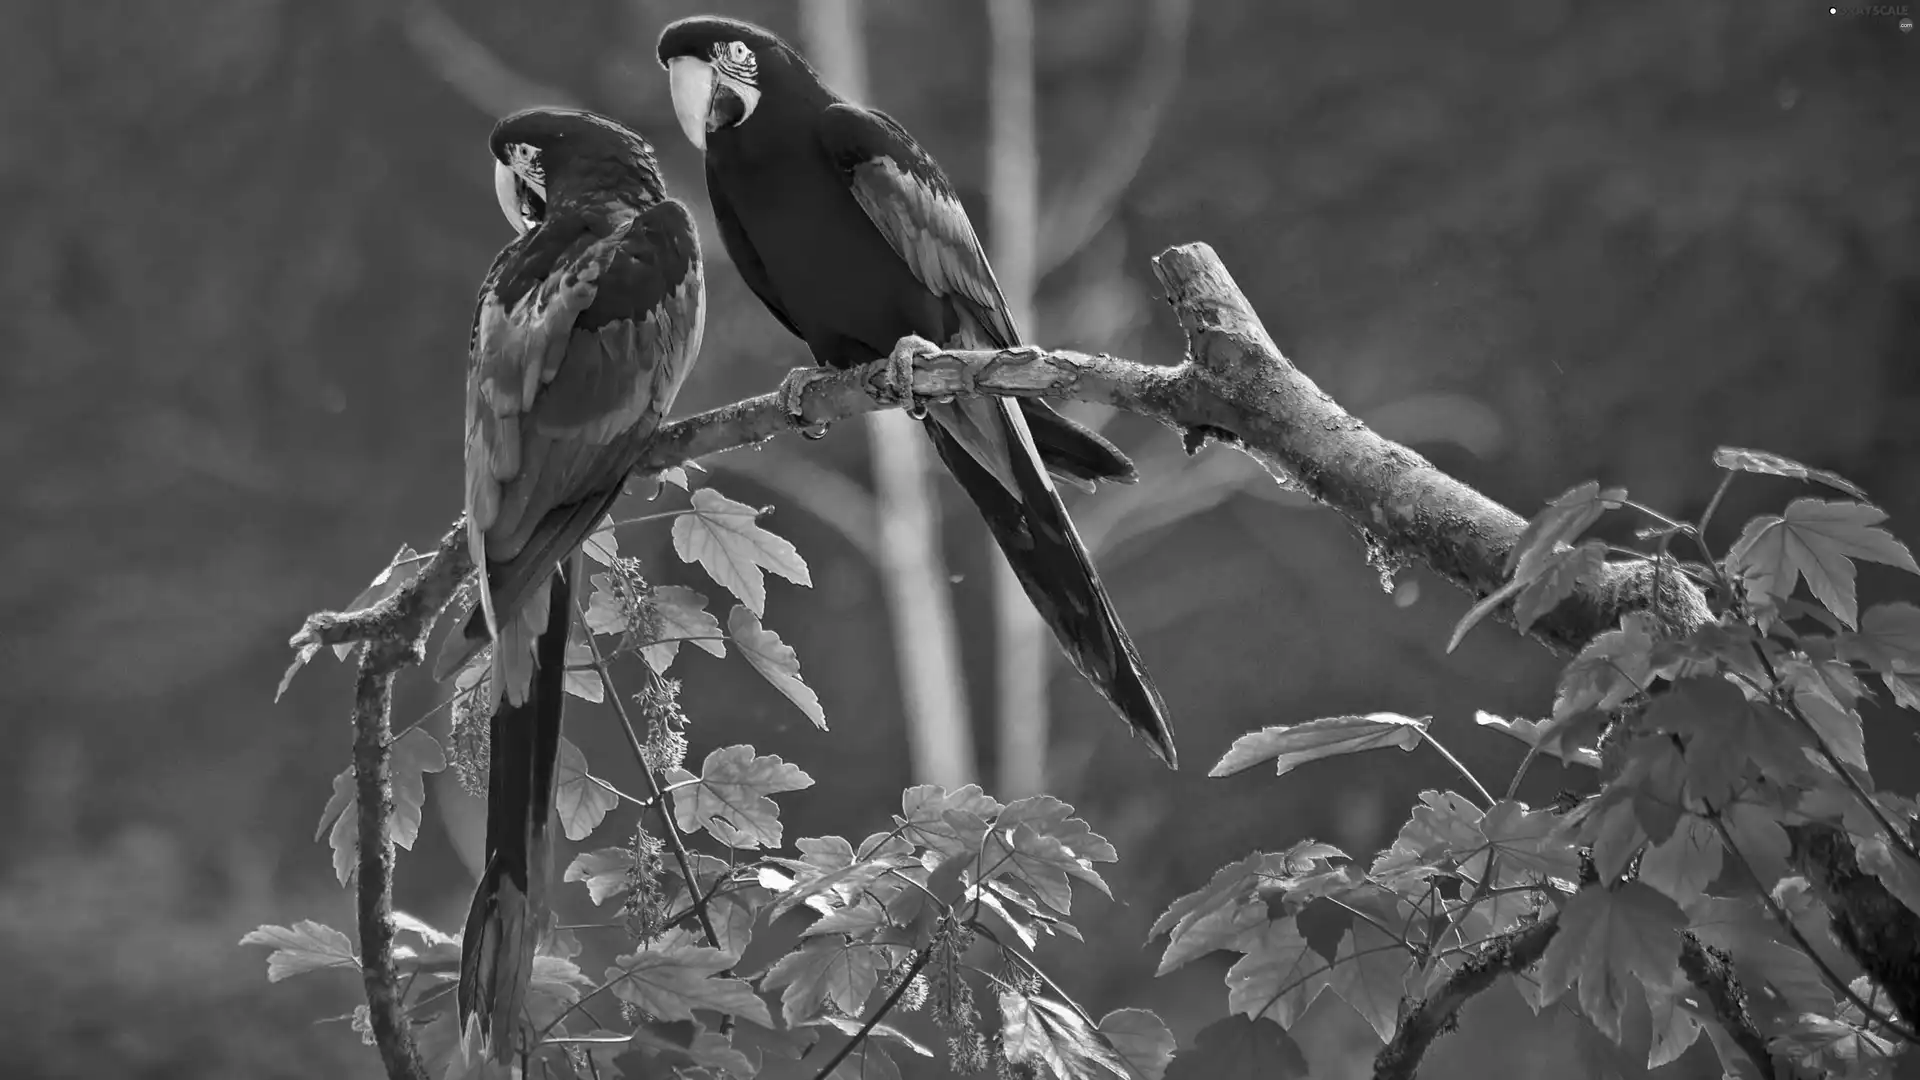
[898, 376]
[793, 394]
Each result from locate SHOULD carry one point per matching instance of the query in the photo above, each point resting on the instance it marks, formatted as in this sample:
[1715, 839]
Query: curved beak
[508, 194]
[691, 82]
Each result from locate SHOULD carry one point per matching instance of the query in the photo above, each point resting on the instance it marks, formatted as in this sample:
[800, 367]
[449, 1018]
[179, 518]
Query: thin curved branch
[1516, 951]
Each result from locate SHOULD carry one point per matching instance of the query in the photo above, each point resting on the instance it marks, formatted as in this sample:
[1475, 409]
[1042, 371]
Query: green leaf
[1612, 668]
[1240, 1049]
[604, 872]
[1818, 541]
[1725, 733]
[1563, 519]
[1532, 731]
[868, 1061]
[774, 660]
[552, 988]
[725, 538]
[1051, 817]
[583, 679]
[581, 800]
[825, 969]
[1832, 1047]
[400, 571]
[1038, 862]
[672, 982]
[1739, 459]
[1888, 641]
[1037, 1032]
[1684, 864]
[681, 613]
[1560, 574]
[1895, 869]
[305, 946]
[1824, 692]
[1612, 943]
[1290, 746]
[732, 916]
[925, 807]
[675, 1042]
[603, 546]
[1279, 976]
[1441, 828]
[1371, 973]
[1674, 1029]
[730, 798]
[1142, 1040]
[410, 756]
[606, 609]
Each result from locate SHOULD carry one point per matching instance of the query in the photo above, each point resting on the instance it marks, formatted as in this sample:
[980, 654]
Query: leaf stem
[1460, 766]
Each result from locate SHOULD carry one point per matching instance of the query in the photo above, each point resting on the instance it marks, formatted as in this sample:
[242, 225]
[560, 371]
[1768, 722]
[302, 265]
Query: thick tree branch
[1712, 974]
[1516, 951]
[373, 795]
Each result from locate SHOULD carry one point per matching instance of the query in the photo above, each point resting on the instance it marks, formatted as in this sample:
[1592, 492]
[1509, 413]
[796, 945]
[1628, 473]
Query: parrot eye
[736, 60]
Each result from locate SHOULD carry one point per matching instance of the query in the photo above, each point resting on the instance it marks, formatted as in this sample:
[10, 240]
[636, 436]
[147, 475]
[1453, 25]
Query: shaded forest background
[1539, 240]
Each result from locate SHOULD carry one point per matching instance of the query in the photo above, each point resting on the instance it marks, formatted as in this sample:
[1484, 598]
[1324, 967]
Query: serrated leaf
[1832, 1047]
[1039, 862]
[672, 982]
[581, 801]
[1824, 693]
[1525, 839]
[1888, 641]
[1560, 574]
[1444, 825]
[775, 660]
[305, 946]
[410, 756]
[1817, 541]
[1560, 522]
[725, 538]
[732, 916]
[1370, 972]
[1240, 1049]
[1724, 733]
[604, 872]
[825, 969]
[681, 613]
[400, 572]
[1684, 864]
[1142, 1040]
[583, 679]
[1531, 732]
[1674, 1029]
[1051, 817]
[1740, 459]
[1612, 943]
[1038, 1032]
[1279, 976]
[1215, 928]
[730, 798]
[606, 610]
[603, 546]
[1290, 746]
[925, 807]
[1612, 668]
[1895, 869]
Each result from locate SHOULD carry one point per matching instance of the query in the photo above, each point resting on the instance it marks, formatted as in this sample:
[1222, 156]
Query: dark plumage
[586, 325]
[853, 238]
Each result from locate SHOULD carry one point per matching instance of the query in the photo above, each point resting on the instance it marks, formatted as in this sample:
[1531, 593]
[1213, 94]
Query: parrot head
[546, 157]
[719, 69]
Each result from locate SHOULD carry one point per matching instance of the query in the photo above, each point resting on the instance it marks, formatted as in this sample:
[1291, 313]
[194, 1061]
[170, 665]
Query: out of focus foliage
[1537, 238]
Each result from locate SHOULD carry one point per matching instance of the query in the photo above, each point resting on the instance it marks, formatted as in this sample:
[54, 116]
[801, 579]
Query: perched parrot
[853, 238]
[586, 325]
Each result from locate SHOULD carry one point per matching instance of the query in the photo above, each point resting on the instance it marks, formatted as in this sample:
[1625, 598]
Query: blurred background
[1538, 240]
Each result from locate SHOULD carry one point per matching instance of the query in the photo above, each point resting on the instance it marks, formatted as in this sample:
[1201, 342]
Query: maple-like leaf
[1563, 519]
[729, 799]
[1051, 817]
[1560, 574]
[1833, 1047]
[581, 801]
[1673, 1027]
[732, 915]
[1612, 943]
[1888, 641]
[923, 818]
[1142, 1040]
[1442, 827]
[1612, 668]
[1531, 733]
[606, 610]
[603, 546]
[1684, 864]
[1279, 976]
[681, 614]
[775, 660]
[1817, 541]
[826, 969]
[1290, 746]
[1824, 692]
[583, 678]
[1037, 861]
[409, 757]
[672, 982]
[305, 946]
[1039, 1032]
[726, 539]
[603, 871]
[1240, 1049]
[1526, 839]
[1740, 459]
[1725, 732]
[1371, 972]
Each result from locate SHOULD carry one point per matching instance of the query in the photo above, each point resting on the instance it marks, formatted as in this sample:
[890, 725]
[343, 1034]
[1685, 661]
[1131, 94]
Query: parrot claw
[793, 393]
[898, 377]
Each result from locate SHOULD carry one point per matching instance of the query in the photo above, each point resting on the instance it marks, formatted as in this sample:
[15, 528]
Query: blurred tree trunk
[1021, 648]
[913, 570]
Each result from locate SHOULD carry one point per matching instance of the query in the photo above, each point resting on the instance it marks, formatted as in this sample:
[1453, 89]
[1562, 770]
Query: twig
[1512, 952]
[906, 980]
[1461, 768]
[373, 796]
[1714, 977]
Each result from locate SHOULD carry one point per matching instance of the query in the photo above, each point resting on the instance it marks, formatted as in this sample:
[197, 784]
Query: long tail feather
[1031, 525]
[509, 906]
